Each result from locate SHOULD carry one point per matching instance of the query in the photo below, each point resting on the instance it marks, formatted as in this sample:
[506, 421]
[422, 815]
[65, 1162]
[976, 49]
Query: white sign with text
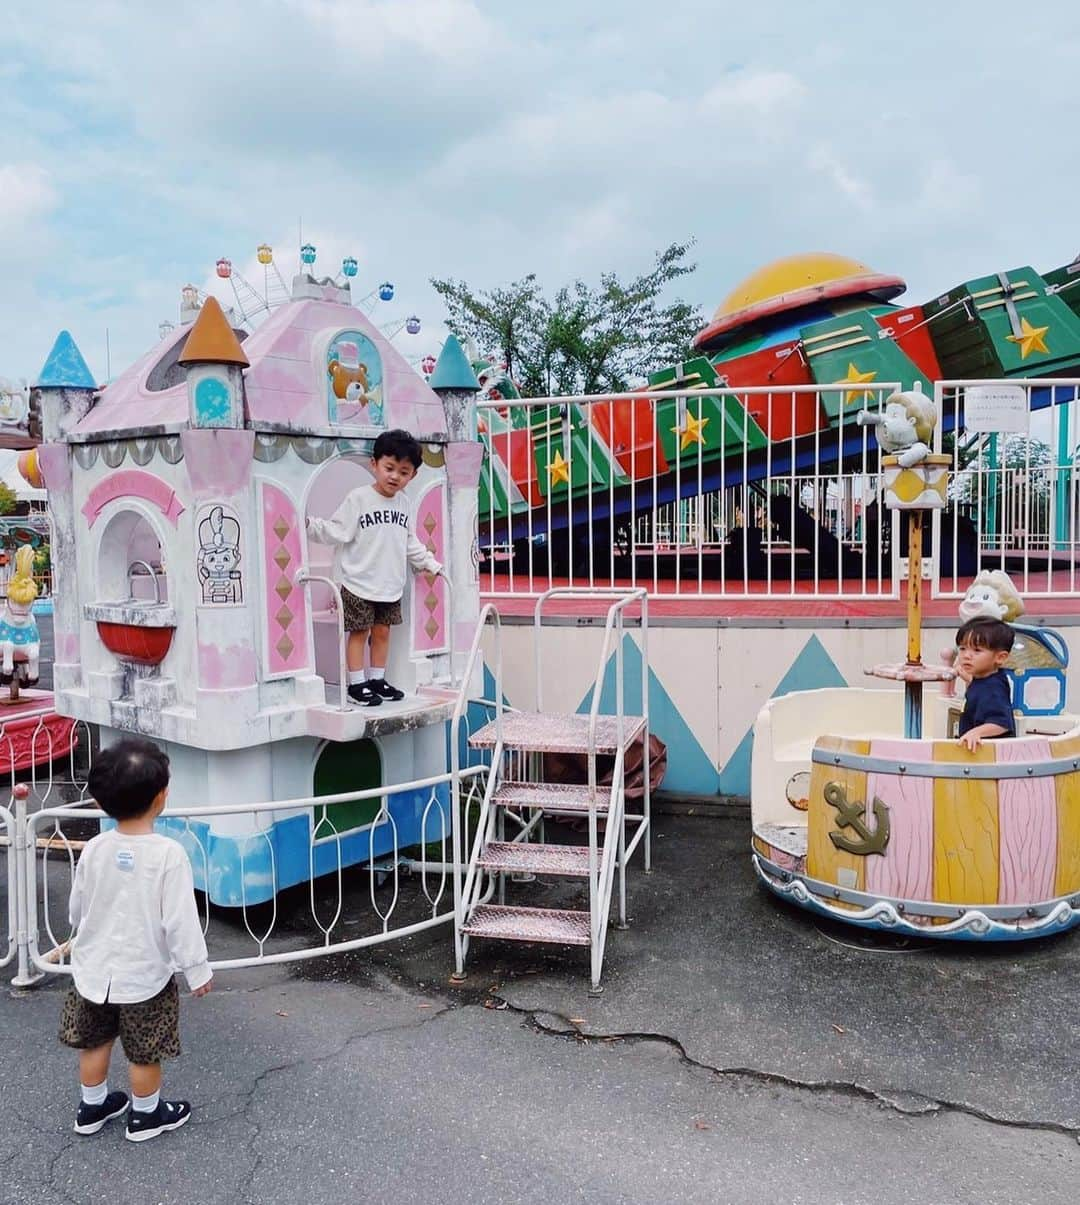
[996, 408]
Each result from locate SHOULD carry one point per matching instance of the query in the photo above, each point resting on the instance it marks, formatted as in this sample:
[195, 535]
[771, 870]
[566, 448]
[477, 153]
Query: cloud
[753, 94]
[847, 183]
[27, 198]
[480, 140]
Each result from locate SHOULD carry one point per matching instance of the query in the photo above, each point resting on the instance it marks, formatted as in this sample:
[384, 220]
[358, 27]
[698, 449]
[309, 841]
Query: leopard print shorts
[149, 1031]
[360, 613]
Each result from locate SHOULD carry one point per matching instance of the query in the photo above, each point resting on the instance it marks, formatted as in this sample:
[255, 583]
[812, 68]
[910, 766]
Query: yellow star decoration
[1030, 338]
[559, 469]
[858, 378]
[692, 433]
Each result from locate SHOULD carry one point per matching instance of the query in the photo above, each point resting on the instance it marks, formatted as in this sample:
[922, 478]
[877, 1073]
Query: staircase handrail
[304, 578]
[626, 596]
[488, 611]
[601, 876]
[470, 887]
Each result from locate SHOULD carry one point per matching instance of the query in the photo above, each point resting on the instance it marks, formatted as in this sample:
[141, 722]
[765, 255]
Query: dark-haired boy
[133, 908]
[984, 646]
[373, 541]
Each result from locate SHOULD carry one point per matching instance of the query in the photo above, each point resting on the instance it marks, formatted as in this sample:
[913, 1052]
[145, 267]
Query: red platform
[31, 733]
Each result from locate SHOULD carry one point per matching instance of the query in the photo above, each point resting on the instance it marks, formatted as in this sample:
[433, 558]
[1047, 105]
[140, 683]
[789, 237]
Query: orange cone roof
[212, 340]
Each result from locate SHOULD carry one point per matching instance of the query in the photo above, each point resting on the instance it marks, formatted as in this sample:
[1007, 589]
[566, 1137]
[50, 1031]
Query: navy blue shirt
[988, 701]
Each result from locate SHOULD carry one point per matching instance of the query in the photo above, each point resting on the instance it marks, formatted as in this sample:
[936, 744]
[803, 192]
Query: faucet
[153, 577]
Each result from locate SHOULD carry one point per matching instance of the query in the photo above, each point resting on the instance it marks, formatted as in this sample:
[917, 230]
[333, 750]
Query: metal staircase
[516, 797]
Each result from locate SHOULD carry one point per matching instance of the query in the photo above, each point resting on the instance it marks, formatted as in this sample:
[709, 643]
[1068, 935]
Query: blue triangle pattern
[812, 669]
[689, 767]
[65, 367]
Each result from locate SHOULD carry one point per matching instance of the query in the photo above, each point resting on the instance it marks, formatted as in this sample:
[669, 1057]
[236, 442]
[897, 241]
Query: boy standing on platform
[373, 542]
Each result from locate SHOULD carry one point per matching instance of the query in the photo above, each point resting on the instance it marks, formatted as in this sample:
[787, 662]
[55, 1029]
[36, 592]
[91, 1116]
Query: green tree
[8, 501]
[587, 339]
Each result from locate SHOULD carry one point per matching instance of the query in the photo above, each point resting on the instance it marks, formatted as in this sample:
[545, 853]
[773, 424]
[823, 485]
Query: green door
[349, 766]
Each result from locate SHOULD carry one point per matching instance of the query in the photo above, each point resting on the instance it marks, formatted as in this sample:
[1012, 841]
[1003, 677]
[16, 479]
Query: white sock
[355, 676]
[145, 1104]
[94, 1094]
[376, 674]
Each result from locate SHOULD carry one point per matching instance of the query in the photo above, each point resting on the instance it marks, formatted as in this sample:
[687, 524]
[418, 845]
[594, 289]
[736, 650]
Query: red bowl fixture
[143, 646]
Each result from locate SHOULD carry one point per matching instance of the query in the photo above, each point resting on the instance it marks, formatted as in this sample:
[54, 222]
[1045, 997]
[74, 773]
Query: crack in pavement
[248, 1094]
[50, 1173]
[890, 1099]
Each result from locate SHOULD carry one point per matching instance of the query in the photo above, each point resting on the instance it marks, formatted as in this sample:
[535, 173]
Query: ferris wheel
[253, 300]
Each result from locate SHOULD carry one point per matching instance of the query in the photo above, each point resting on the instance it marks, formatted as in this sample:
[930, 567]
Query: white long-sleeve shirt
[373, 541]
[133, 905]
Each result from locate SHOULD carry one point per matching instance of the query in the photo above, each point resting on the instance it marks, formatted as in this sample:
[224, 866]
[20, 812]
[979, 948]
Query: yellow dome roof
[789, 274]
[790, 284]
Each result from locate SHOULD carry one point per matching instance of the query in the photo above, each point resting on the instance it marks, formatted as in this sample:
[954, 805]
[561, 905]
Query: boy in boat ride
[137, 924]
[373, 542]
[983, 648]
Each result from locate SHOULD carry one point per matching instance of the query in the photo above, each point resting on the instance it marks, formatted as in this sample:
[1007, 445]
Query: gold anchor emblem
[851, 815]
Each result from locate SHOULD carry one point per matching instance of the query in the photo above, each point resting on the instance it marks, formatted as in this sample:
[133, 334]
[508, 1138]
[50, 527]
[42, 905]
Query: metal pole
[1064, 473]
[24, 884]
[913, 690]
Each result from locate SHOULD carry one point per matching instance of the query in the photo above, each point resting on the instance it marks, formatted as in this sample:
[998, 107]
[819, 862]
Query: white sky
[484, 140]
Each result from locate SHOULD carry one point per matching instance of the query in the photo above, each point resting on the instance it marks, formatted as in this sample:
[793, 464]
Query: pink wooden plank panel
[1027, 822]
[286, 603]
[906, 869]
[429, 609]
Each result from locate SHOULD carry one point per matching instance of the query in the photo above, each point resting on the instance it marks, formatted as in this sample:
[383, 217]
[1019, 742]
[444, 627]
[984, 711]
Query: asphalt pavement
[740, 1052]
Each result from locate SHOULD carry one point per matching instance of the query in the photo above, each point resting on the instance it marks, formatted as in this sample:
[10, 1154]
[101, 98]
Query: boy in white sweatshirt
[133, 909]
[373, 542]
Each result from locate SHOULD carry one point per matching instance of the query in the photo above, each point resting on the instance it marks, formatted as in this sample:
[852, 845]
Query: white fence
[1015, 493]
[685, 493]
[8, 944]
[385, 897]
[726, 493]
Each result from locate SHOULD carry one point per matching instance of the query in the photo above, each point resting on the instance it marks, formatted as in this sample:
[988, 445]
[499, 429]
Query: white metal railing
[1014, 496]
[49, 857]
[579, 490]
[8, 936]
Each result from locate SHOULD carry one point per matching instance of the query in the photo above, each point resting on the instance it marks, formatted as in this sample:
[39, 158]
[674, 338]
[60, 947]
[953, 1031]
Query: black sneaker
[169, 1115]
[384, 690]
[362, 695]
[91, 1118]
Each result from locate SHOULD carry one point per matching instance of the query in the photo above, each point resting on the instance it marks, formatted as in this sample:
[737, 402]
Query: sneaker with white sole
[91, 1118]
[169, 1115]
[362, 695]
[384, 690]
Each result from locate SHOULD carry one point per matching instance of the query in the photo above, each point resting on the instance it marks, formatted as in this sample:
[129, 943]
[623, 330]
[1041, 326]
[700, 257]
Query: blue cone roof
[452, 369]
[65, 367]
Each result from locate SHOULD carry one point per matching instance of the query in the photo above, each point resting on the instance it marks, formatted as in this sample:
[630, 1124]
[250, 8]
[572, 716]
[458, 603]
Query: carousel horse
[20, 642]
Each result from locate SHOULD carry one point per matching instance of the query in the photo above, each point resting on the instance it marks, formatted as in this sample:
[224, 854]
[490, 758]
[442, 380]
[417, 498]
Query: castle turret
[63, 394]
[64, 391]
[455, 382]
[215, 363]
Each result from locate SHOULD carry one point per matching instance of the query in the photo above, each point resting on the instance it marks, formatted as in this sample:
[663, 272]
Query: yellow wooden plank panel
[823, 859]
[1067, 878]
[966, 836]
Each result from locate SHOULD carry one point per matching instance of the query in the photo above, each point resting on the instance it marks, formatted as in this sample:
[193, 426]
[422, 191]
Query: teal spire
[452, 369]
[65, 367]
